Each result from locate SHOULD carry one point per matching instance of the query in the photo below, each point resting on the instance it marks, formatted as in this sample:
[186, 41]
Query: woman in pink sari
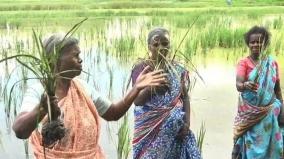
[79, 107]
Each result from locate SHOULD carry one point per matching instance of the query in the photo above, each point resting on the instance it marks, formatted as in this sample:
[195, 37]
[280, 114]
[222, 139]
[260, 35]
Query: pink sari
[82, 122]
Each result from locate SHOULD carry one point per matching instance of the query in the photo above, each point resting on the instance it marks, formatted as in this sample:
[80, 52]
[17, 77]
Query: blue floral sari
[257, 133]
[158, 122]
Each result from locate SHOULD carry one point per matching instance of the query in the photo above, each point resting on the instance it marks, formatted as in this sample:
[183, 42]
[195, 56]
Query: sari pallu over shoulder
[158, 121]
[83, 125]
[151, 115]
[256, 130]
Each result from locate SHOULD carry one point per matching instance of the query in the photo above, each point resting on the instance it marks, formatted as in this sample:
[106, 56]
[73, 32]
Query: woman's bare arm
[26, 122]
[151, 79]
[143, 96]
[240, 83]
[277, 90]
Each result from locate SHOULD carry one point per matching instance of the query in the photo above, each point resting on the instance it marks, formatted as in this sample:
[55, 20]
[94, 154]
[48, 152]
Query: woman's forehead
[256, 36]
[72, 49]
[161, 37]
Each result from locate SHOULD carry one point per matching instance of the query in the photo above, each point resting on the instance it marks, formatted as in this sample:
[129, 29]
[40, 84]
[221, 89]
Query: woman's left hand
[183, 132]
[184, 91]
[281, 114]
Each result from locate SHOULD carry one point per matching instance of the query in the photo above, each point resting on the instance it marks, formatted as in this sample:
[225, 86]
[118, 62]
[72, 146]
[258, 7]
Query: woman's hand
[249, 85]
[53, 101]
[183, 132]
[184, 90]
[281, 114]
[153, 79]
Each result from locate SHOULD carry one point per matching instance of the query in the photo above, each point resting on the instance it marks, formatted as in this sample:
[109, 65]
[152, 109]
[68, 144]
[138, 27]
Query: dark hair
[258, 30]
[156, 31]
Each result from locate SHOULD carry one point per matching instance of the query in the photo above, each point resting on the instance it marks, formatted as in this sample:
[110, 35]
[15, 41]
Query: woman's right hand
[249, 85]
[155, 78]
[183, 132]
[53, 100]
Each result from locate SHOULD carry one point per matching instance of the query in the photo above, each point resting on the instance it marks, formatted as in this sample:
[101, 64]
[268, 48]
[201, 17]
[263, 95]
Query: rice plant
[110, 71]
[277, 45]
[278, 23]
[191, 46]
[124, 139]
[124, 134]
[124, 47]
[10, 98]
[200, 136]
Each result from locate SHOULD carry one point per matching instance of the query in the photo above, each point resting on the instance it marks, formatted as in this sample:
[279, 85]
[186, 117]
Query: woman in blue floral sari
[257, 134]
[162, 114]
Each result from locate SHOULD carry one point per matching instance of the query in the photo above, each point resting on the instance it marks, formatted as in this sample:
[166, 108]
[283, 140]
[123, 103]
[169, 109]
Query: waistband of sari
[248, 116]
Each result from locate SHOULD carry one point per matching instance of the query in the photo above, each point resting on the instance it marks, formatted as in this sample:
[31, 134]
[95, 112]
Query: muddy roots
[52, 132]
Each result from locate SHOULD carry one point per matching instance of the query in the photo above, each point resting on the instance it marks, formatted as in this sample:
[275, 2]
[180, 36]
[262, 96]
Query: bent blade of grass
[21, 55]
[193, 66]
[184, 37]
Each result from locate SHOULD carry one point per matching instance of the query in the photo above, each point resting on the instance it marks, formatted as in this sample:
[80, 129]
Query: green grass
[210, 31]
[201, 136]
[124, 138]
[183, 16]
[127, 4]
[124, 46]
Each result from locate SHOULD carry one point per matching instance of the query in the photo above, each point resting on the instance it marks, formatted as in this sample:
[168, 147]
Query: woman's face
[70, 62]
[159, 46]
[256, 43]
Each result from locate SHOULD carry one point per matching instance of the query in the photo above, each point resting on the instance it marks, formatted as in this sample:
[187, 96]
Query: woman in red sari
[257, 131]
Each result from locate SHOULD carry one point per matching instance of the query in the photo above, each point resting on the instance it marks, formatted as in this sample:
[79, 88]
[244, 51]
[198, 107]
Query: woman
[256, 129]
[79, 111]
[162, 113]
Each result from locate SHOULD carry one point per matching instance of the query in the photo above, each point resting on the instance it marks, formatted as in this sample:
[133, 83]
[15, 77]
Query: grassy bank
[9, 5]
